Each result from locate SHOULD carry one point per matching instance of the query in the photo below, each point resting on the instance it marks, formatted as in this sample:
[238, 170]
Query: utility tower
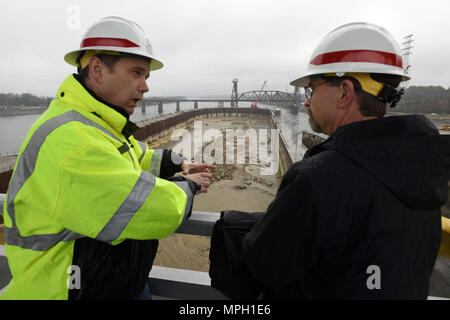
[234, 94]
[407, 51]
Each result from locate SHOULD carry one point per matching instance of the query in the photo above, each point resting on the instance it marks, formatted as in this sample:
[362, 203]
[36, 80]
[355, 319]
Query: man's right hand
[202, 179]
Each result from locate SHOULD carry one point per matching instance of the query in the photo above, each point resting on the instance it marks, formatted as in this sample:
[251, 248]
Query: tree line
[23, 100]
[417, 99]
[421, 99]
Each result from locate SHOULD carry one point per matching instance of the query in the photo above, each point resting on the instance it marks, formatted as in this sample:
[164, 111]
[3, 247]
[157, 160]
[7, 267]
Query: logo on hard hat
[148, 46]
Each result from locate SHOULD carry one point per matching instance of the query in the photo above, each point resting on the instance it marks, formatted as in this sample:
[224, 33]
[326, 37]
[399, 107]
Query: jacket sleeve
[101, 195]
[281, 248]
[161, 162]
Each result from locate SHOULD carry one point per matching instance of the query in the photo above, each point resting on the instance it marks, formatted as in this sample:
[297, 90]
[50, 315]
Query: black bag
[228, 272]
[112, 272]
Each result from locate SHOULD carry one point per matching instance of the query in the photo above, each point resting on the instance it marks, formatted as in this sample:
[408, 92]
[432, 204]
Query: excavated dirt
[234, 186]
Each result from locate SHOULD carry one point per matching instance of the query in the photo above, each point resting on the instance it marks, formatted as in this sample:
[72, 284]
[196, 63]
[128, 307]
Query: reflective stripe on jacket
[78, 176]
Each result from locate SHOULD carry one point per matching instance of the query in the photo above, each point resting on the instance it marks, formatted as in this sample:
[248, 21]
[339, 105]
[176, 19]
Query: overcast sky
[206, 43]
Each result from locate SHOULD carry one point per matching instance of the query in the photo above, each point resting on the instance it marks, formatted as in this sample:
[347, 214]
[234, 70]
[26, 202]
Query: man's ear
[347, 93]
[96, 67]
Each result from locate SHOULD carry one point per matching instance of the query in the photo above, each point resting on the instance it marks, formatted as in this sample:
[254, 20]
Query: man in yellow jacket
[86, 200]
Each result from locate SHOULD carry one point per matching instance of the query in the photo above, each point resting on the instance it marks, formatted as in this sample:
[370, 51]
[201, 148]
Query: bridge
[268, 96]
[250, 96]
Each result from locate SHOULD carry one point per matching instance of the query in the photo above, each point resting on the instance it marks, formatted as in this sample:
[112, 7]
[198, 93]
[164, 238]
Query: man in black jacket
[359, 217]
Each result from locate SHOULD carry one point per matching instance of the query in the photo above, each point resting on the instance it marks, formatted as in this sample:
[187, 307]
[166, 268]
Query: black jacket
[370, 195]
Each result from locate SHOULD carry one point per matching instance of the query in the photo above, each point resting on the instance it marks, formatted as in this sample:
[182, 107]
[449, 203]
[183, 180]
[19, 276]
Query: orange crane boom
[255, 104]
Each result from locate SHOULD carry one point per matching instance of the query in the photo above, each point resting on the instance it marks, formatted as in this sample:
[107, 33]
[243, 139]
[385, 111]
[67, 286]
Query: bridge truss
[268, 96]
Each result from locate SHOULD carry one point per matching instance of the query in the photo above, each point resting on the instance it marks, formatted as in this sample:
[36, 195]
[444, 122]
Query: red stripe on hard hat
[373, 56]
[107, 42]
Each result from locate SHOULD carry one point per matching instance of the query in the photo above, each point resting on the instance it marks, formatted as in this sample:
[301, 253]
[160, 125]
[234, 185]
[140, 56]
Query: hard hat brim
[304, 80]
[71, 58]
[301, 82]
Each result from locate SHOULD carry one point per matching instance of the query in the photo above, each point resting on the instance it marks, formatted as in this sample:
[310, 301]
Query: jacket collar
[383, 129]
[73, 91]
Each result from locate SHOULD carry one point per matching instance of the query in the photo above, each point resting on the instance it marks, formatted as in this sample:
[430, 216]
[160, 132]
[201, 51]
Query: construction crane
[255, 104]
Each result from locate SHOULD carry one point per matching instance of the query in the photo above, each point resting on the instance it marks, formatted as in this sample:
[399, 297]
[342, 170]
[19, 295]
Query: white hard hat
[115, 34]
[355, 48]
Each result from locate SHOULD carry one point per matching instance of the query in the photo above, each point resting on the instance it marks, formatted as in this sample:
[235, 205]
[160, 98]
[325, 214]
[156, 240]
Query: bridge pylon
[297, 96]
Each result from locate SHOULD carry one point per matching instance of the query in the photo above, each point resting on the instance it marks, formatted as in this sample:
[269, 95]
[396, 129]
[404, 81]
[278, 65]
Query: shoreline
[22, 111]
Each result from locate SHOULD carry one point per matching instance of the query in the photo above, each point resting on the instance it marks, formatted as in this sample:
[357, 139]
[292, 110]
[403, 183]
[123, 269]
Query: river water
[13, 129]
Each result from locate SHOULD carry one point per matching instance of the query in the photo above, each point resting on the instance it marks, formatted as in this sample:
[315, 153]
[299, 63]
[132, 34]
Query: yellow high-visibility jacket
[78, 175]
